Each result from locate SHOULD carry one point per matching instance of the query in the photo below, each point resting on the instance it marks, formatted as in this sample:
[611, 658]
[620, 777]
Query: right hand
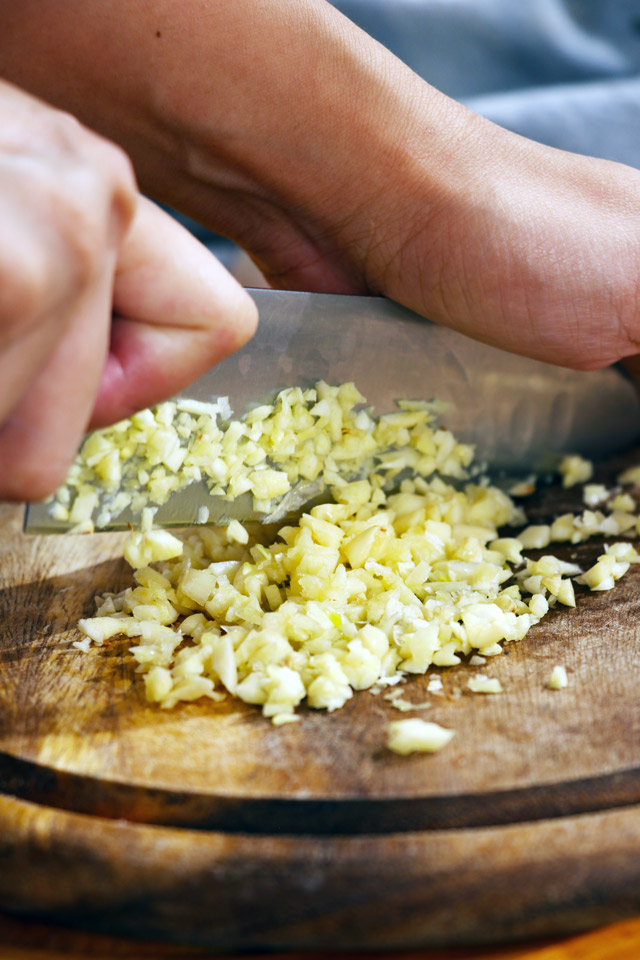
[77, 241]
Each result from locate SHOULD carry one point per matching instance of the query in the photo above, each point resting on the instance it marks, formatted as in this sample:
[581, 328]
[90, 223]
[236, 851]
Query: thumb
[176, 313]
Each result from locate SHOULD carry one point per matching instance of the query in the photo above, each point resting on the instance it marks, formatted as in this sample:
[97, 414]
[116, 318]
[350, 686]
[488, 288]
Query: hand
[76, 243]
[528, 248]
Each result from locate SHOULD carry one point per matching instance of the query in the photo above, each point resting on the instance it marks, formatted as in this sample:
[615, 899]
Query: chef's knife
[520, 413]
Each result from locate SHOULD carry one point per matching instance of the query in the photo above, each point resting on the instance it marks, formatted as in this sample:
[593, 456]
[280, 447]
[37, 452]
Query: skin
[107, 305]
[280, 124]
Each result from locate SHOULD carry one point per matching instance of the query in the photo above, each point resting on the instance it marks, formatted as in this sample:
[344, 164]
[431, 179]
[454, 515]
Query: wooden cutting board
[205, 824]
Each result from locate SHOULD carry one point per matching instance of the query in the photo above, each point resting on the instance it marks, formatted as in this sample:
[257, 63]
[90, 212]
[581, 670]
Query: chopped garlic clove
[141, 549]
[594, 494]
[575, 469]
[558, 679]
[100, 629]
[417, 736]
[535, 537]
[483, 684]
[236, 533]
[629, 476]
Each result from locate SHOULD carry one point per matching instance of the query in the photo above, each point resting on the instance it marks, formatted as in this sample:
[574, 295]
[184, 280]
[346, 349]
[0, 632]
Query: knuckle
[83, 221]
[79, 244]
[86, 245]
[25, 284]
[65, 132]
[70, 209]
[119, 184]
[120, 167]
[54, 257]
[100, 181]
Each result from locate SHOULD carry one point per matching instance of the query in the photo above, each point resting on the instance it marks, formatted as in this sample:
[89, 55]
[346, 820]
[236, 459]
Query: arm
[281, 125]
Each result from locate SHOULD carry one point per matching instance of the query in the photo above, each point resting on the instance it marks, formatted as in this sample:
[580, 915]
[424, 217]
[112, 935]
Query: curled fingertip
[236, 321]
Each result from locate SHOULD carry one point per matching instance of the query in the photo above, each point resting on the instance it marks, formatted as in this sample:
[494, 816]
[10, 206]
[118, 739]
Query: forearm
[244, 113]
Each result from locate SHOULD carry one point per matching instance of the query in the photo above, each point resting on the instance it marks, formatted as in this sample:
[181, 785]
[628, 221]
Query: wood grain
[242, 892]
[527, 824]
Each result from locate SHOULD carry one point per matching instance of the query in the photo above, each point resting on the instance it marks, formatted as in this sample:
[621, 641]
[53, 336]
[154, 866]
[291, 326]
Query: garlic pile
[361, 592]
[314, 436]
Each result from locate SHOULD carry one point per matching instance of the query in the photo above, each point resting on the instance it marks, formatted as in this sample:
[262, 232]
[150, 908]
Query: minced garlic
[610, 566]
[483, 684]
[535, 538]
[399, 702]
[594, 494]
[624, 503]
[576, 528]
[523, 488]
[575, 469]
[415, 735]
[361, 592]
[371, 587]
[558, 679]
[306, 437]
[630, 476]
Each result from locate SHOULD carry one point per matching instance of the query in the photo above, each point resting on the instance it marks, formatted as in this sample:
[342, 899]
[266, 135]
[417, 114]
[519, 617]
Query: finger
[21, 361]
[44, 430]
[177, 313]
[37, 283]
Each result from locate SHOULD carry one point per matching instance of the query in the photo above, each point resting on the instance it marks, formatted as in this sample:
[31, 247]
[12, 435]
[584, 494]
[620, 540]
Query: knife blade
[521, 414]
